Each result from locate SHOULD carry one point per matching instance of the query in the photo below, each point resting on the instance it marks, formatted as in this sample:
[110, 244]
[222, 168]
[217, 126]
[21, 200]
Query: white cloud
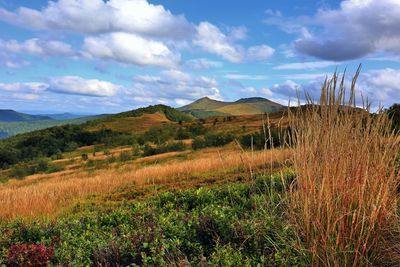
[237, 33]
[98, 16]
[37, 47]
[202, 64]
[78, 86]
[35, 87]
[357, 28]
[66, 85]
[245, 77]
[130, 48]
[305, 65]
[381, 86]
[210, 38]
[26, 96]
[260, 52]
[129, 31]
[173, 86]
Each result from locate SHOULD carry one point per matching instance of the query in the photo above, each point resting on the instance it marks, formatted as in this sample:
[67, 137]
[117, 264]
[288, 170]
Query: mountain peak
[205, 99]
[251, 100]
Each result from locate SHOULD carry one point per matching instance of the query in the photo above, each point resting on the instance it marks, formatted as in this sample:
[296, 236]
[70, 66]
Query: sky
[95, 56]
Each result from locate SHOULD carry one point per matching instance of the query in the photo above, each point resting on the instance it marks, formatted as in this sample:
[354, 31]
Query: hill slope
[139, 120]
[8, 115]
[206, 107]
[65, 116]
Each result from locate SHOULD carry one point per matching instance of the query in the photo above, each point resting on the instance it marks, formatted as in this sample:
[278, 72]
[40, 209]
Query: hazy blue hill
[8, 115]
[64, 116]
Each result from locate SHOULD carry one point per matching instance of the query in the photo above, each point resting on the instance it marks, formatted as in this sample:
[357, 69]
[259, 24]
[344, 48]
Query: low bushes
[264, 140]
[230, 225]
[149, 150]
[212, 140]
[24, 169]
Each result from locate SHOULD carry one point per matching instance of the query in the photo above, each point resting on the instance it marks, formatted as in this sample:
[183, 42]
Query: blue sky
[94, 56]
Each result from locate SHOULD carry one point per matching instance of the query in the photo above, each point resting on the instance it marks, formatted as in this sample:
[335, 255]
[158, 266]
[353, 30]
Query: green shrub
[54, 168]
[212, 140]
[154, 150]
[24, 169]
[261, 140]
[84, 156]
[125, 156]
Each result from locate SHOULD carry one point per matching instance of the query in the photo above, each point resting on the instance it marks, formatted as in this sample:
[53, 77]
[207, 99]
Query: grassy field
[47, 194]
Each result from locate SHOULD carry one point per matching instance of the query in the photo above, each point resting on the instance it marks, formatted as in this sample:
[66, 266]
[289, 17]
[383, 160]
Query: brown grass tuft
[344, 201]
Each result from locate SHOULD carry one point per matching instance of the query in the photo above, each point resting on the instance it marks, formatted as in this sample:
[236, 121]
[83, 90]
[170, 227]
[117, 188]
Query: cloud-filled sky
[97, 56]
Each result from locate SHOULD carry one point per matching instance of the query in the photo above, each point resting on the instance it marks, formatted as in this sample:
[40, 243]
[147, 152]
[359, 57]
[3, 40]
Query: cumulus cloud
[260, 52]
[130, 48]
[173, 86]
[73, 85]
[128, 31]
[357, 28]
[78, 86]
[98, 16]
[237, 33]
[381, 86]
[210, 38]
[37, 47]
[35, 87]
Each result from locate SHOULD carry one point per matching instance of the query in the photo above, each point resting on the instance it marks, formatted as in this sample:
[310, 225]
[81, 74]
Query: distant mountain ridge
[65, 116]
[9, 115]
[206, 107]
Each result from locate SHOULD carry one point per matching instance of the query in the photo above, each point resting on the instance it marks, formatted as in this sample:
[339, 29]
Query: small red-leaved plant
[29, 255]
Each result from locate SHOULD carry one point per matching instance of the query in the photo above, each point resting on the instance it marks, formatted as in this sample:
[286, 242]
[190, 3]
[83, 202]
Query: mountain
[204, 103]
[206, 107]
[8, 115]
[10, 128]
[64, 116]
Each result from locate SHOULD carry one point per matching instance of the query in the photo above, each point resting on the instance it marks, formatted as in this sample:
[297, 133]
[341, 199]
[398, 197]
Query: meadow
[316, 185]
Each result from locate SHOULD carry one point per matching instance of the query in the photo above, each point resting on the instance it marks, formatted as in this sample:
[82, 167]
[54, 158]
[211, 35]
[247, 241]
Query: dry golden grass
[44, 195]
[134, 124]
[344, 201]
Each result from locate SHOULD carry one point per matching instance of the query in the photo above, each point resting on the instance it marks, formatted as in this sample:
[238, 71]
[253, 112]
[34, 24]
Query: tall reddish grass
[344, 200]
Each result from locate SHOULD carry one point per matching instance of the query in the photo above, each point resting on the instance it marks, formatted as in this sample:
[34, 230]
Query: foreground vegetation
[316, 187]
[230, 225]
